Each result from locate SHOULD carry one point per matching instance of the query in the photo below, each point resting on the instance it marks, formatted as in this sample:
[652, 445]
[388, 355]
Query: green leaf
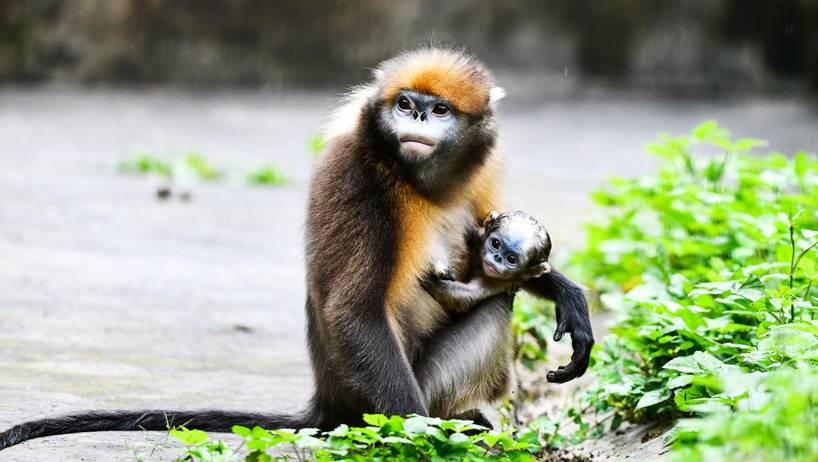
[415, 425]
[788, 342]
[652, 397]
[705, 129]
[698, 363]
[809, 234]
[241, 431]
[801, 163]
[680, 381]
[316, 144]
[745, 144]
[397, 440]
[189, 437]
[376, 420]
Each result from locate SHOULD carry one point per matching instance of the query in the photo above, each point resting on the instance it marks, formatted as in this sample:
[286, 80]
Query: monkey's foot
[476, 416]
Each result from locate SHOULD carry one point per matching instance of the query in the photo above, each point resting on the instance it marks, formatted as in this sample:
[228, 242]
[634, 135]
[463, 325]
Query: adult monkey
[410, 166]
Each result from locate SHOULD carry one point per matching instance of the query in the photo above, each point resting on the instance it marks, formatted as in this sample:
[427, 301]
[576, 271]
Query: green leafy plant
[146, 164]
[768, 417]
[268, 175]
[315, 145]
[383, 438]
[192, 164]
[200, 166]
[711, 262]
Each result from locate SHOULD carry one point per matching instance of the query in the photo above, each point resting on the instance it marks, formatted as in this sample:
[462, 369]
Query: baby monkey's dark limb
[572, 318]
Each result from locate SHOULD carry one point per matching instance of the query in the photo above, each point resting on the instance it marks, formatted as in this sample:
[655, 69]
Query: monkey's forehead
[522, 228]
[450, 74]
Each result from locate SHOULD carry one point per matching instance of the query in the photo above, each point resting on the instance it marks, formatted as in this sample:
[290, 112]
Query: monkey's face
[422, 123]
[502, 256]
[515, 247]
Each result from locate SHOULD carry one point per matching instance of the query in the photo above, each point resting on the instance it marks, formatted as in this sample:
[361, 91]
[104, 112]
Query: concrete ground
[112, 299]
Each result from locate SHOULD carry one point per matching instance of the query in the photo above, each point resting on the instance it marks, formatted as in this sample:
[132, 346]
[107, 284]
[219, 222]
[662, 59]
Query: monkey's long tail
[97, 421]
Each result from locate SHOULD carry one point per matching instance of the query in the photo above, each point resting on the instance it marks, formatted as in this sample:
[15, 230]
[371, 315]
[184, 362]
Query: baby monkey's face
[515, 246]
[502, 256]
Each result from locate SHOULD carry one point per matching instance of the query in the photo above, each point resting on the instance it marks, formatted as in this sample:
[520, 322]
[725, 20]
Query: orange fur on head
[449, 74]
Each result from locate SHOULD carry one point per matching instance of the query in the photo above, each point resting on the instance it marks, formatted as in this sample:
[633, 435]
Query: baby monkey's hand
[443, 271]
[436, 277]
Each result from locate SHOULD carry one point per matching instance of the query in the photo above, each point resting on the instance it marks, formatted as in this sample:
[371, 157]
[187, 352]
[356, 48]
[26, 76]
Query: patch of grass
[268, 175]
[201, 167]
[315, 145]
[145, 164]
[192, 164]
[195, 166]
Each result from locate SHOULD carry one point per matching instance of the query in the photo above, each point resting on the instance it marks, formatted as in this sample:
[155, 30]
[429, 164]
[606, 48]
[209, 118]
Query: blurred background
[675, 47]
[155, 158]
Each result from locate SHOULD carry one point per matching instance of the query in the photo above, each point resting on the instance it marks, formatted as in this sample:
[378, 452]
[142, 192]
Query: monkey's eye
[512, 260]
[495, 243]
[440, 109]
[404, 104]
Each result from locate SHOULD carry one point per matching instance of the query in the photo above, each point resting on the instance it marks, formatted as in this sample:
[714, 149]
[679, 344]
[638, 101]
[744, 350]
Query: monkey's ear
[490, 217]
[495, 95]
[540, 269]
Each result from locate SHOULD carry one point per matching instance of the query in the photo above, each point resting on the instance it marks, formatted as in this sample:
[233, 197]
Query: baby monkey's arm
[455, 295]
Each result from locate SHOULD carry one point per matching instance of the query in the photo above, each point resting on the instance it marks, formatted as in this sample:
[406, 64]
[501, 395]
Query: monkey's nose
[497, 258]
[421, 115]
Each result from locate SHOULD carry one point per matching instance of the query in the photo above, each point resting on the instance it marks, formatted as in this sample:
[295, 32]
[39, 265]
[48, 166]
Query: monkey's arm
[374, 363]
[572, 317]
[458, 296]
[355, 332]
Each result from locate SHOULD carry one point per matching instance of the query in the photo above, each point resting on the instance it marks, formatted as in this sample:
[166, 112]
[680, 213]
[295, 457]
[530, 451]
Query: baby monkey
[512, 248]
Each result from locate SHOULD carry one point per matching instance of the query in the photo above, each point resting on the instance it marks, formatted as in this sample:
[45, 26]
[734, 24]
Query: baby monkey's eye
[495, 243]
[404, 104]
[440, 109]
[512, 260]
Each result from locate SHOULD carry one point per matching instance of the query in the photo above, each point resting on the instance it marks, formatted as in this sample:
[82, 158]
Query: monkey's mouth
[417, 145]
[490, 270]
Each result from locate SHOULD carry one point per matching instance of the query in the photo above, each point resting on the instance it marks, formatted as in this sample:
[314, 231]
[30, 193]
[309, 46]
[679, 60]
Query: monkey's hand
[572, 318]
[436, 287]
[435, 282]
[443, 271]
[581, 341]
[454, 295]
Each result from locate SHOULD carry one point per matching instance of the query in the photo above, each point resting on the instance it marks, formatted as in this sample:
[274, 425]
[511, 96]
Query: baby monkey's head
[515, 246]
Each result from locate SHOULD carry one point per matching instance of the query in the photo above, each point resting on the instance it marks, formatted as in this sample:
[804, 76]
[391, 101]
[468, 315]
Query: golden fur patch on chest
[429, 232]
[418, 219]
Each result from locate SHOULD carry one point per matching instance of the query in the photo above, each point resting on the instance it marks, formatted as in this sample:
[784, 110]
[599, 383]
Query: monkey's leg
[469, 361]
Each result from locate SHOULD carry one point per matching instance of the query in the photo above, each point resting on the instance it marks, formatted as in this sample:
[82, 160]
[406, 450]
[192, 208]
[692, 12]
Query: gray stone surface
[112, 299]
